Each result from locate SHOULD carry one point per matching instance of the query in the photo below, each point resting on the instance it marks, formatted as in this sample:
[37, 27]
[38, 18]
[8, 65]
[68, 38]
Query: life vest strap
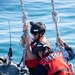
[59, 71]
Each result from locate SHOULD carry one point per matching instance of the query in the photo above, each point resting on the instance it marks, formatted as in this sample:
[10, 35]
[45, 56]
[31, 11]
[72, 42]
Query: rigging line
[55, 19]
[24, 18]
[53, 7]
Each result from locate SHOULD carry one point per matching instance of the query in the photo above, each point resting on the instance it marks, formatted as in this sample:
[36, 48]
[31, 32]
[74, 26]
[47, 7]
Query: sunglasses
[34, 33]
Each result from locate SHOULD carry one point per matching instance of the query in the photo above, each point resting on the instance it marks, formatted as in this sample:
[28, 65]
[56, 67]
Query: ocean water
[37, 10]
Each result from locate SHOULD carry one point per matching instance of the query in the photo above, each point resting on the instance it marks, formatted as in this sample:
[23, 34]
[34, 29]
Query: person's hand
[60, 42]
[25, 27]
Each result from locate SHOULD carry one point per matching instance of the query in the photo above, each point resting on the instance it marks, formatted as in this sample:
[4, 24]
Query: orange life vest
[33, 63]
[56, 65]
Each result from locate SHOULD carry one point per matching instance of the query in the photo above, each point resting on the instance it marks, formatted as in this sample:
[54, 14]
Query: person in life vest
[37, 30]
[54, 63]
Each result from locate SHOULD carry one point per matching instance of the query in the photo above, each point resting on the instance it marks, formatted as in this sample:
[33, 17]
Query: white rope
[56, 19]
[24, 18]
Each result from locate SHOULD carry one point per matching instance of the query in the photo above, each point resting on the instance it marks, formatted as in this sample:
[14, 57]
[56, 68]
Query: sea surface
[37, 10]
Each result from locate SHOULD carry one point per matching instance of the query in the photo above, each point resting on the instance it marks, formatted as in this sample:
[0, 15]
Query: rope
[56, 19]
[24, 18]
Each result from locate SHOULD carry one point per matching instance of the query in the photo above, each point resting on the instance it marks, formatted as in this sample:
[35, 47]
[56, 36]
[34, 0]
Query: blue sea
[37, 10]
